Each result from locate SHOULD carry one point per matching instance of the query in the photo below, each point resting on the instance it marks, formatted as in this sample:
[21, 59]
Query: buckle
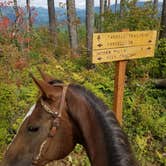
[52, 131]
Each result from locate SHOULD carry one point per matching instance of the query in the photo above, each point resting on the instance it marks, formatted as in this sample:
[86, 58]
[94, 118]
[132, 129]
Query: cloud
[43, 3]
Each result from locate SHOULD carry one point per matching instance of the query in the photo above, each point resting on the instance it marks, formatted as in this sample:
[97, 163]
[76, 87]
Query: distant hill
[42, 18]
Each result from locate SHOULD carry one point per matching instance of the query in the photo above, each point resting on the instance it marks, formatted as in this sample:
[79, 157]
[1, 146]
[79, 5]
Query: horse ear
[46, 89]
[45, 76]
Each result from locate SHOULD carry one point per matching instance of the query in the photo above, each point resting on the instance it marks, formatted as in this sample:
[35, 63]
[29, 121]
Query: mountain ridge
[42, 17]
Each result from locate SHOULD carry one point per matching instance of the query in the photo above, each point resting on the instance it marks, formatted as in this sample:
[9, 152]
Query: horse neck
[101, 135]
[91, 136]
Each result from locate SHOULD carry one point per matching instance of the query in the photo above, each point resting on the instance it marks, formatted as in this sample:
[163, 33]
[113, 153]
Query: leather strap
[55, 124]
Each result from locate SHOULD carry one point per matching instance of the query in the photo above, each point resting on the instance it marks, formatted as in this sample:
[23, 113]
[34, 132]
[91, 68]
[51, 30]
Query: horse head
[46, 133]
[63, 116]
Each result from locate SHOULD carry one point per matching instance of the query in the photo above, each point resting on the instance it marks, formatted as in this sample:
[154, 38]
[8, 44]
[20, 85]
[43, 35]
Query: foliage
[160, 59]
[145, 110]
[134, 18]
[144, 106]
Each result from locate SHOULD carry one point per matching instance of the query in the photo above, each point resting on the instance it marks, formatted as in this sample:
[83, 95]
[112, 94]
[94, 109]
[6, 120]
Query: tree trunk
[16, 10]
[101, 14]
[105, 5]
[155, 5]
[29, 21]
[116, 3]
[72, 26]
[122, 3]
[163, 21]
[109, 4]
[89, 25]
[52, 20]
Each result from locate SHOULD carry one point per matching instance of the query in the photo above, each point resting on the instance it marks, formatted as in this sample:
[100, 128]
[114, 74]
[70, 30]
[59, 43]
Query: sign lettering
[118, 46]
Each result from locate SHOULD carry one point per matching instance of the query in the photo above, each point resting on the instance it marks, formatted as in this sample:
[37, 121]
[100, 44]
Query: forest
[63, 49]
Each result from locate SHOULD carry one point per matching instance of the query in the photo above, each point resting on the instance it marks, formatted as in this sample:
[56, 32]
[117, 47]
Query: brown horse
[63, 116]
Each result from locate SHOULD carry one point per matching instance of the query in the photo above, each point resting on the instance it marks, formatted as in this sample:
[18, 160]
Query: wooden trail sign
[120, 47]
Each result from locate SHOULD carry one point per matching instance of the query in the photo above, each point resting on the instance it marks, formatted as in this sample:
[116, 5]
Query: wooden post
[120, 47]
[119, 89]
[120, 71]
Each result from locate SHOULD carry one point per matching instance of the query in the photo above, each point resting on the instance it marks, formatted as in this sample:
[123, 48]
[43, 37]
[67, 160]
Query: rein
[55, 124]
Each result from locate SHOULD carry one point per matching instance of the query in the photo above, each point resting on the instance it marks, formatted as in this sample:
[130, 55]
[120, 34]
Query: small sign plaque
[119, 46]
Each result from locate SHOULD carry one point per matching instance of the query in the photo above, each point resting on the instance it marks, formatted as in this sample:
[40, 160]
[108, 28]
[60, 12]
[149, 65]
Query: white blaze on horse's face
[30, 112]
[26, 116]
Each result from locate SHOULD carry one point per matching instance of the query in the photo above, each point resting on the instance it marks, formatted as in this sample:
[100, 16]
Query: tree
[155, 5]
[52, 20]
[122, 3]
[16, 10]
[116, 3]
[109, 4]
[101, 13]
[72, 26]
[29, 22]
[163, 21]
[105, 5]
[89, 24]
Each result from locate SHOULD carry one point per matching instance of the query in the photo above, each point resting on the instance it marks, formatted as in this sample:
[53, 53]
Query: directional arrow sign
[99, 45]
[123, 45]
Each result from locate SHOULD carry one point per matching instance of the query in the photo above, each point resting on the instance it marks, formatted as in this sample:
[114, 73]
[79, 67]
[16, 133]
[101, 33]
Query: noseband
[55, 124]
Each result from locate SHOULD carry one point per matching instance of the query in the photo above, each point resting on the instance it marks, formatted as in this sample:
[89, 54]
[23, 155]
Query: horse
[63, 116]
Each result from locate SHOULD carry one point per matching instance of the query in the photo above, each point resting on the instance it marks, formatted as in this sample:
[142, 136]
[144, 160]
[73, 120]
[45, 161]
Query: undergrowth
[144, 106]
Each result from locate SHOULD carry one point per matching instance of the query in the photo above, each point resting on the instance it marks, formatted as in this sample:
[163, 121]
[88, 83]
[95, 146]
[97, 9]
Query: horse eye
[33, 129]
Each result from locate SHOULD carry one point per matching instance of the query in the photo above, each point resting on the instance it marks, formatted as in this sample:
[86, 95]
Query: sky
[43, 3]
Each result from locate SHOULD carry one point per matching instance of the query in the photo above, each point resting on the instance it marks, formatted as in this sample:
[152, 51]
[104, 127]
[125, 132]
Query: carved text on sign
[123, 45]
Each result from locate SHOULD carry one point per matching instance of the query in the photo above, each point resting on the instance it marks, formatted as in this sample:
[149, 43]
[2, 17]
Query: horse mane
[119, 152]
[118, 149]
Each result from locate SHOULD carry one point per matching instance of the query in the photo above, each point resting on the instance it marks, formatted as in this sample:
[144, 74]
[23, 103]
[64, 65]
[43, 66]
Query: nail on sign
[119, 46]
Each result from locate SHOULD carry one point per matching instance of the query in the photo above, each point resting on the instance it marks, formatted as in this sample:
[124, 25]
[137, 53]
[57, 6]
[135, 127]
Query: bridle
[55, 124]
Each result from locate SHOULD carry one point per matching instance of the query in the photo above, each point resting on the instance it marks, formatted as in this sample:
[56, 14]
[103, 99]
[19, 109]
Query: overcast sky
[43, 3]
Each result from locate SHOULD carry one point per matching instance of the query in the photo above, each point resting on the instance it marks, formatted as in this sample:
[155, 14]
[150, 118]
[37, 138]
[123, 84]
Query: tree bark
[105, 5]
[163, 21]
[101, 14]
[109, 4]
[29, 21]
[122, 2]
[72, 26]
[155, 5]
[16, 10]
[52, 20]
[89, 25]
[116, 3]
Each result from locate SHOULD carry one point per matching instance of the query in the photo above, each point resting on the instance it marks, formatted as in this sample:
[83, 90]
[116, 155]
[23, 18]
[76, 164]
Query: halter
[55, 124]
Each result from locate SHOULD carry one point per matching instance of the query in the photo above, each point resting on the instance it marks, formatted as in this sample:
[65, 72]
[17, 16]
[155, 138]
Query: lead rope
[56, 123]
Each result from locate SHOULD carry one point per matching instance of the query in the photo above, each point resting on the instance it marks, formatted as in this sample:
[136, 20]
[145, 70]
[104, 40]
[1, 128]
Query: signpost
[120, 47]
